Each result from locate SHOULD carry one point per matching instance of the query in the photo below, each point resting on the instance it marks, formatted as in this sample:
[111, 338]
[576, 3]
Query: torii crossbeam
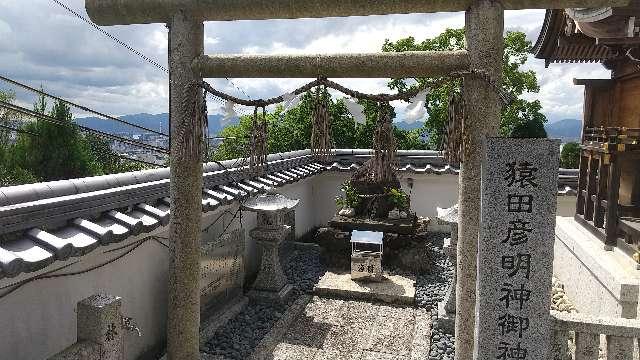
[484, 23]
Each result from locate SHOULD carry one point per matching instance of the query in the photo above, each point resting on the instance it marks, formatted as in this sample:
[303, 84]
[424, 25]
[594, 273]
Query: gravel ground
[430, 290]
[239, 336]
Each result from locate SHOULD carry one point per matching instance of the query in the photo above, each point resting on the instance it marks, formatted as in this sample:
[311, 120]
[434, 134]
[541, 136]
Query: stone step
[394, 289]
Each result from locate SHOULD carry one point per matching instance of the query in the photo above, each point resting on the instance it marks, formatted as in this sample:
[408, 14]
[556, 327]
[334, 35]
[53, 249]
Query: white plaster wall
[566, 206]
[599, 282]
[38, 320]
[430, 192]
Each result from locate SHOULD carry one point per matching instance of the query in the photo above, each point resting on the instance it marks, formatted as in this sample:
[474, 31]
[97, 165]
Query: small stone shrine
[366, 255]
[271, 230]
[515, 248]
[447, 308]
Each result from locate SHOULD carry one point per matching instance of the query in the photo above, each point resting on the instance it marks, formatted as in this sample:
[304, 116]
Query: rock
[348, 212]
[559, 299]
[394, 214]
[336, 249]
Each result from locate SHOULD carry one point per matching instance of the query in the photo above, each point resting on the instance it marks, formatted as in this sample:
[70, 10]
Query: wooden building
[608, 201]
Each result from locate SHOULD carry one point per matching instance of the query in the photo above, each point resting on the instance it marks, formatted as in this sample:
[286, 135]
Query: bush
[350, 199]
[399, 198]
[570, 156]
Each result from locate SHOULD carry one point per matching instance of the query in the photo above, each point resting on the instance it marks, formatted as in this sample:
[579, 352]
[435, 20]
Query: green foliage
[46, 151]
[570, 156]
[523, 119]
[59, 151]
[350, 199]
[399, 198]
[107, 161]
[520, 119]
[291, 130]
[10, 173]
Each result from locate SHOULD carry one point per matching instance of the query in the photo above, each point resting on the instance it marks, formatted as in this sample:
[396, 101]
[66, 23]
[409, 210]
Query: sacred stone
[99, 321]
[221, 269]
[515, 248]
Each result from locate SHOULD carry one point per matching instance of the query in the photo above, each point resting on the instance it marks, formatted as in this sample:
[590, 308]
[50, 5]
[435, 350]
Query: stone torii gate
[484, 24]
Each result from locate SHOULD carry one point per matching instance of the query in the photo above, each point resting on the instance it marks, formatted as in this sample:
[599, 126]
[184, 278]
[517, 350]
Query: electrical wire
[133, 50]
[69, 103]
[124, 157]
[50, 275]
[55, 121]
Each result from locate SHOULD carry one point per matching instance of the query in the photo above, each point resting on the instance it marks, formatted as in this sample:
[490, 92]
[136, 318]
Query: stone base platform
[392, 289]
[406, 226]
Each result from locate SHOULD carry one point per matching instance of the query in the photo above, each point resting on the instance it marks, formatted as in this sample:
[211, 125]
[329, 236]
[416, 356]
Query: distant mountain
[157, 122]
[566, 130]
[409, 126]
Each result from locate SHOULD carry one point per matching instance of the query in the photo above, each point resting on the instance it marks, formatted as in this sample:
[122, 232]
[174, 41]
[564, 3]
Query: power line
[29, 88]
[124, 157]
[55, 121]
[105, 33]
[133, 50]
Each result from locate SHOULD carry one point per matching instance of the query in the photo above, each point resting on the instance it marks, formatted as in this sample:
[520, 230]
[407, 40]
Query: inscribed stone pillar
[484, 25]
[186, 39]
[515, 252]
[99, 321]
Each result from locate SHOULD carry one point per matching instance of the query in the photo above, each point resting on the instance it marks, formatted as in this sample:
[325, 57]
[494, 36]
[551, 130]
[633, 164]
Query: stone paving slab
[394, 289]
[335, 329]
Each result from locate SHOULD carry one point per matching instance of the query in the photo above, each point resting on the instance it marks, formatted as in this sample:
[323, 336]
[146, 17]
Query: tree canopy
[570, 155]
[46, 151]
[291, 130]
[522, 118]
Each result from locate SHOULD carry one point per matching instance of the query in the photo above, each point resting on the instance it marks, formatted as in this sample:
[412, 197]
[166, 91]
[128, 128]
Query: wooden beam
[593, 82]
[377, 65]
[124, 12]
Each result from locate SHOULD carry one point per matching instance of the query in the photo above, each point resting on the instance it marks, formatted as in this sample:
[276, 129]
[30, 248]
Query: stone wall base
[601, 283]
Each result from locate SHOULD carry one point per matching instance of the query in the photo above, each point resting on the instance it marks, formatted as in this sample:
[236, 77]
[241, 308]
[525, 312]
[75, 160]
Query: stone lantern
[271, 230]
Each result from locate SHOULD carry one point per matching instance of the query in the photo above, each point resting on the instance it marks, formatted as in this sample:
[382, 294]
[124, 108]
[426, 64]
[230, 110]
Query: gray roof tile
[10, 263]
[91, 222]
[135, 226]
[159, 214]
[33, 257]
[104, 235]
[119, 231]
[222, 197]
[62, 248]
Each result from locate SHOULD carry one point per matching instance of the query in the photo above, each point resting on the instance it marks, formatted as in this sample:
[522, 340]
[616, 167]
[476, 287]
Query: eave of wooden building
[554, 46]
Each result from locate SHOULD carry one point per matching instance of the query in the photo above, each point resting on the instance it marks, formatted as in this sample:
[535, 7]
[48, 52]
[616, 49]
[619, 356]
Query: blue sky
[41, 43]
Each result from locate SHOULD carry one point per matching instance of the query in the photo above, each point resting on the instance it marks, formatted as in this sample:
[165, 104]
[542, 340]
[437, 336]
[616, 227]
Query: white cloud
[73, 60]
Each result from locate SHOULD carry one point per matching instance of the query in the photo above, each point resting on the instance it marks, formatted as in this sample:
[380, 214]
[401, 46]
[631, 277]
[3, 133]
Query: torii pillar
[186, 42]
[484, 26]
